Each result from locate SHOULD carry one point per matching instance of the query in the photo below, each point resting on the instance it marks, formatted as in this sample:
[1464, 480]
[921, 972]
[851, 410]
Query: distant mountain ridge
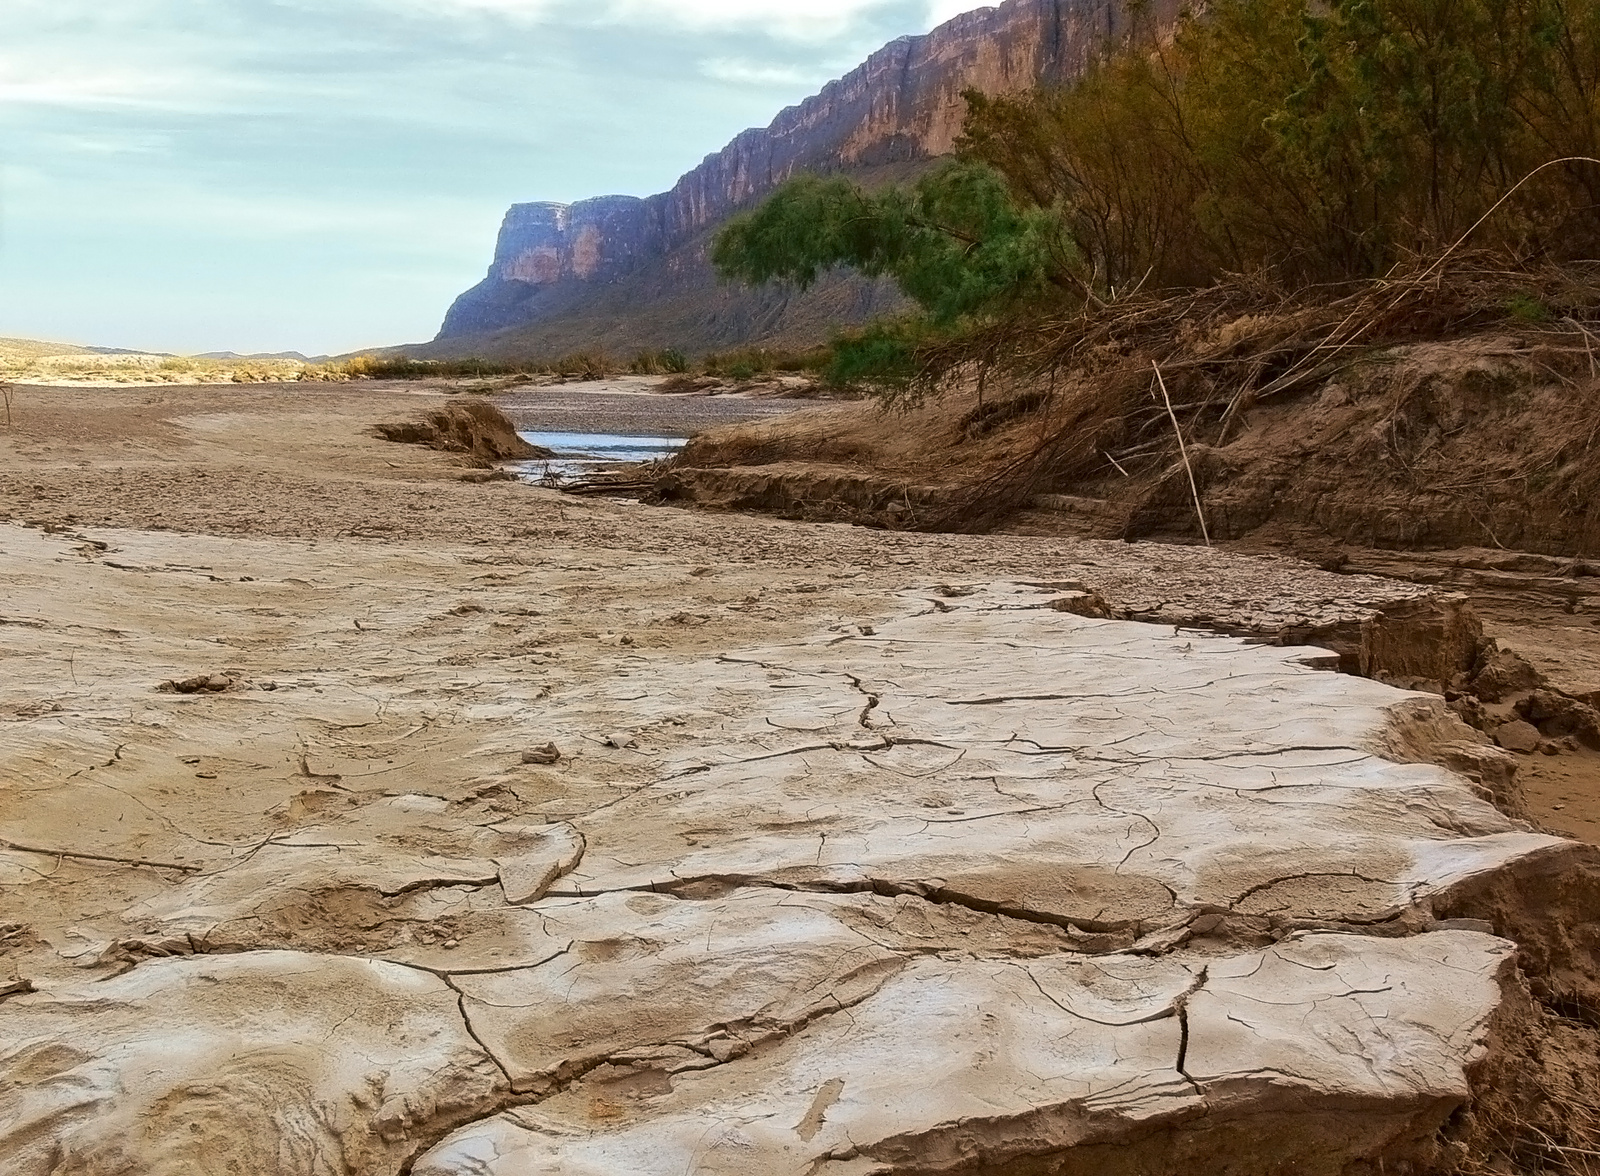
[290, 355]
[621, 273]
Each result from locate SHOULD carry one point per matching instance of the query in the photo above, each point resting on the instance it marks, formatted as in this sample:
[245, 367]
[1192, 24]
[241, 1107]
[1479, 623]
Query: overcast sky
[326, 175]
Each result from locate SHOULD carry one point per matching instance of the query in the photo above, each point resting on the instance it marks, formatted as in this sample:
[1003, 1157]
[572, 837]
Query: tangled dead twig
[1221, 350]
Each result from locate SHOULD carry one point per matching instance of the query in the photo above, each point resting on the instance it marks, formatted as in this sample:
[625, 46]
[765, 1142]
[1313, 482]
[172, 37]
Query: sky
[327, 175]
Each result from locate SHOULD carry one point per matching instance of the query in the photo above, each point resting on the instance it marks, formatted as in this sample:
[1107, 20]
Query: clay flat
[355, 818]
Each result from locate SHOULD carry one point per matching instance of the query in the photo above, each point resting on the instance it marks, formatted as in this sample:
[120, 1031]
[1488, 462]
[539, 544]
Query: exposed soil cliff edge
[1487, 440]
[472, 427]
[554, 284]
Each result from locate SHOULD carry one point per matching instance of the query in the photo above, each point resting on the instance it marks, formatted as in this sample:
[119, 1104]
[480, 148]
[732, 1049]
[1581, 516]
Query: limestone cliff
[564, 275]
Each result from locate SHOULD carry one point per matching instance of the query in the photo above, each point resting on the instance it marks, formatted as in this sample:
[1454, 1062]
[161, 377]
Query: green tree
[955, 242]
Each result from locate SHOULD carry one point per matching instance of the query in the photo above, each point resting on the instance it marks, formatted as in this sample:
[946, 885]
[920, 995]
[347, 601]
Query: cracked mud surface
[863, 853]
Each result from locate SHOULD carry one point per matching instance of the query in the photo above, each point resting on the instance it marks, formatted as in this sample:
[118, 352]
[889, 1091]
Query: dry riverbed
[358, 818]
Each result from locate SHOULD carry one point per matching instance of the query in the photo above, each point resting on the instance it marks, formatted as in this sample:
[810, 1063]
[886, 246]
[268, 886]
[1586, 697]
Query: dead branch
[1183, 450]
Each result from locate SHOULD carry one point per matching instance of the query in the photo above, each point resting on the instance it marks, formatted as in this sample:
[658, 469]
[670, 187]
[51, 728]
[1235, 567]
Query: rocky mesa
[621, 272]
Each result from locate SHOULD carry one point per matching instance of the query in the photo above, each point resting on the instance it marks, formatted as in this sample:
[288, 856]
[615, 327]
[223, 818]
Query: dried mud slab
[981, 886]
[1319, 1051]
[263, 1062]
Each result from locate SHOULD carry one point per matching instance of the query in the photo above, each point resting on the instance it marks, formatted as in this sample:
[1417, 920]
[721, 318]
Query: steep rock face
[902, 106]
[591, 240]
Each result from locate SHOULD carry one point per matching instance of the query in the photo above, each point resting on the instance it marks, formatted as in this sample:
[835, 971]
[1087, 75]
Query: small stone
[726, 1048]
[627, 639]
[1085, 604]
[621, 739]
[451, 944]
[548, 754]
[1518, 736]
[201, 683]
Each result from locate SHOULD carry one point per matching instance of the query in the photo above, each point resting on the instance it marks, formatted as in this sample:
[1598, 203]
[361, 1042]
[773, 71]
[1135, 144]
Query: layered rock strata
[611, 271]
[986, 885]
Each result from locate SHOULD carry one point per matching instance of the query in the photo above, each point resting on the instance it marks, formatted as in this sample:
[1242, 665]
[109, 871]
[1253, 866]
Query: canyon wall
[621, 272]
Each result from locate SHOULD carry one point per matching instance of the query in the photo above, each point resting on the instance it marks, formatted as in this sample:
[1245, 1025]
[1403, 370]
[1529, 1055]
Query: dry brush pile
[1092, 380]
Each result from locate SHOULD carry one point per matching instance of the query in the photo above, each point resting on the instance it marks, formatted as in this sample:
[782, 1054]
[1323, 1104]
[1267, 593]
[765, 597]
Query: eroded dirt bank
[365, 820]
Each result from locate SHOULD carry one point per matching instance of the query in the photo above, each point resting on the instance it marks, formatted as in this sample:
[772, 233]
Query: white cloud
[755, 73]
[32, 83]
[156, 150]
[809, 20]
[799, 20]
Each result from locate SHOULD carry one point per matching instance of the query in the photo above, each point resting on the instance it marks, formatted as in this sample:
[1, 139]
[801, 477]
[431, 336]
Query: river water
[577, 454]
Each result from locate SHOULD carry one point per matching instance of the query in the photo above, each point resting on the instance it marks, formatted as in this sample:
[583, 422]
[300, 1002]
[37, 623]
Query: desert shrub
[882, 355]
[1328, 142]
[1318, 142]
[1523, 307]
[394, 367]
[748, 362]
[583, 365]
[669, 362]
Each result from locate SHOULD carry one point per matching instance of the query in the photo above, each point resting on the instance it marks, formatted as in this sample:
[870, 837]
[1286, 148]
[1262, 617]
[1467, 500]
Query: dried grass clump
[1237, 343]
[1540, 1114]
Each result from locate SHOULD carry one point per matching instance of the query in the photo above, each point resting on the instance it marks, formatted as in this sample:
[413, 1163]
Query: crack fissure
[1181, 1007]
[883, 887]
[864, 719]
[573, 1071]
[1268, 885]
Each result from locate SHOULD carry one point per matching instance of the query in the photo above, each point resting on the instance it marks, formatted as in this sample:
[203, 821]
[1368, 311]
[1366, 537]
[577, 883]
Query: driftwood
[599, 486]
[1183, 450]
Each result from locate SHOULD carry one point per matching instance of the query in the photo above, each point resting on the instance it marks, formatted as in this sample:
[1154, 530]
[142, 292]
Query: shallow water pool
[577, 454]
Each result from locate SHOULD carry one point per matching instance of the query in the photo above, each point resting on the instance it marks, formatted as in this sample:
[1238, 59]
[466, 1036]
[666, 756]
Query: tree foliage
[956, 242]
[1322, 141]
